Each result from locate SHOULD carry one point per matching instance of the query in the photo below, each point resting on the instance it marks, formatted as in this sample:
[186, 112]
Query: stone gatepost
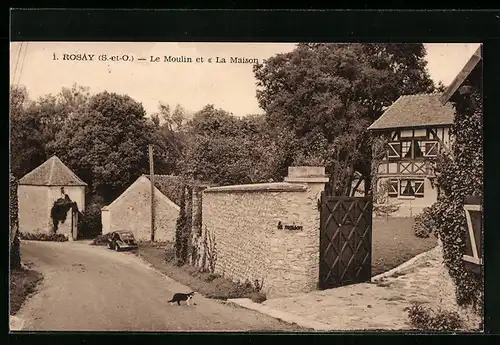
[315, 179]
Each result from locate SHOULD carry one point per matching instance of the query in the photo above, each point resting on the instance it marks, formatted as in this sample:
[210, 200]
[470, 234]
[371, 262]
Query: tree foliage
[168, 138]
[224, 149]
[35, 124]
[106, 144]
[324, 96]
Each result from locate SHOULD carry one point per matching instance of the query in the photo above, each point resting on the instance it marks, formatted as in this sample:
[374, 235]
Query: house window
[394, 150]
[406, 149]
[417, 150]
[393, 188]
[411, 188]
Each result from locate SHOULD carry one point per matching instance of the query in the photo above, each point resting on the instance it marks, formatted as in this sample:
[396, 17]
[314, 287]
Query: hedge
[43, 237]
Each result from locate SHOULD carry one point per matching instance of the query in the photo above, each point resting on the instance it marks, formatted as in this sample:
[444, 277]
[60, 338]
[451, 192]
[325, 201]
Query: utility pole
[152, 179]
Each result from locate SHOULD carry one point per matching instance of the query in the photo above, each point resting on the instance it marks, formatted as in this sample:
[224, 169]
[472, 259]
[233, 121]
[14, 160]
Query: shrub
[100, 240]
[43, 237]
[428, 320]
[90, 225]
[424, 225]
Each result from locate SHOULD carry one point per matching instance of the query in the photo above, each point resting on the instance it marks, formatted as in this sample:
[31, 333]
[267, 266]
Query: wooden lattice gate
[346, 240]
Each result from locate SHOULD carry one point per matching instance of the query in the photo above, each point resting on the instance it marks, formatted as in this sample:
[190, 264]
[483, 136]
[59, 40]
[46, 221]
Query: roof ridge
[423, 94]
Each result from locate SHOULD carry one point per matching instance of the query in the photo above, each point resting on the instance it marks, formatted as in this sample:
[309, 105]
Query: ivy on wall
[458, 177]
[181, 239]
[15, 248]
[60, 209]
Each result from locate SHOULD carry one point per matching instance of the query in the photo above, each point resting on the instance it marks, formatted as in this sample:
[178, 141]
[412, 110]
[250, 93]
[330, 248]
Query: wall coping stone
[312, 179]
[306, 171]
[258, 187]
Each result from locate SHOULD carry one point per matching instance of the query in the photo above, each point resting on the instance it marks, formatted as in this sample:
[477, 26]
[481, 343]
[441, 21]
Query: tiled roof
[415, 110]
[172, 186]
[52, 172]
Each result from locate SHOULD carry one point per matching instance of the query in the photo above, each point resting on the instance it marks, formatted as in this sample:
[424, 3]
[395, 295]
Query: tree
[106, 145]
[324, 96]
[224, 150]
[168, 138]
[27, 145]
[34, 124]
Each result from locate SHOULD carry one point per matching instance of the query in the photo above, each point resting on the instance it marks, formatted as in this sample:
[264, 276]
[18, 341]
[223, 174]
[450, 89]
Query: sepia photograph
[246, 187]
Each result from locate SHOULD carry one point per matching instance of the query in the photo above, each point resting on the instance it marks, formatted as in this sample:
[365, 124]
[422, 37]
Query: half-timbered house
[416, 127]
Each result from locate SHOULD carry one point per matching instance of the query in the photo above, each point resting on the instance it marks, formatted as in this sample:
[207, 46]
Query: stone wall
[266, 232]
[34, 209]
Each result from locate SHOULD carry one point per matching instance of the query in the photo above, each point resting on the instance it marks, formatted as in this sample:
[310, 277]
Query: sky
[46, 67]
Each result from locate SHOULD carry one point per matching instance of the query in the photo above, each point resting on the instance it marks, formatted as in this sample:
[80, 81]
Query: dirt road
[88, 288]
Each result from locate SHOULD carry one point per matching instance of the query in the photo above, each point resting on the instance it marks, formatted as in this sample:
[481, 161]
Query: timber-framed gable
[416, 128]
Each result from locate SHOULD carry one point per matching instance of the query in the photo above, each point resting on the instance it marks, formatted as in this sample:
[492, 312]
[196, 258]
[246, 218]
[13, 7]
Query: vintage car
[123, 239]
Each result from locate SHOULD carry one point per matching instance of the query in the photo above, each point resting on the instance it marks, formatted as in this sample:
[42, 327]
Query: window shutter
[419, 188]
[431, 149]
[393, 188]
[394, 150]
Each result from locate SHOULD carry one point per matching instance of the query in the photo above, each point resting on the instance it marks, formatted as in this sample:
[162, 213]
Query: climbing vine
[458, 177]
[15, 250]
[180, 231]
[60, 209]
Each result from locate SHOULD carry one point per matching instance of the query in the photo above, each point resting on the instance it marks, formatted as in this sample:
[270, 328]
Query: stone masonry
[268, 232]
[132, 211]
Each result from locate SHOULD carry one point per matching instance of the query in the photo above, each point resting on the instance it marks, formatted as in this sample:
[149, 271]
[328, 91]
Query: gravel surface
[89, 288]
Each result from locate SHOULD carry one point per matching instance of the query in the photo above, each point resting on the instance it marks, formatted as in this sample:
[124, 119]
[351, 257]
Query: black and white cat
[178, 297]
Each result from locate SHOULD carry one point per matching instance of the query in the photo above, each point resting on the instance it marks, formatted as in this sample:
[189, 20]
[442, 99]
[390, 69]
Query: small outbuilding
[132, 209]
[42, 190]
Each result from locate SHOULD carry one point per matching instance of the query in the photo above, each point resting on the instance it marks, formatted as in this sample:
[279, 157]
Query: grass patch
[394, 242]
[210, 285]
[23, 283]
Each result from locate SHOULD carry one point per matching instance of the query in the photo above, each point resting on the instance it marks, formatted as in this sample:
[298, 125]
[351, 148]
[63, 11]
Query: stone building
[40, 189]
[132, 209]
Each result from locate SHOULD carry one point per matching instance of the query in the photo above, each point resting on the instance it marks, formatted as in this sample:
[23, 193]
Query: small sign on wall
[291, 227]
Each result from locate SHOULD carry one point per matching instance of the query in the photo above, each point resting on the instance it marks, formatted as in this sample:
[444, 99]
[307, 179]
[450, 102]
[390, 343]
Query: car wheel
[117, 247]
